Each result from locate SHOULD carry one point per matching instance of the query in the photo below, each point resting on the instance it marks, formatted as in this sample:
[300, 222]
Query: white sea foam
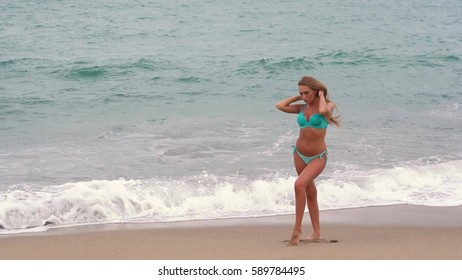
[209, 197]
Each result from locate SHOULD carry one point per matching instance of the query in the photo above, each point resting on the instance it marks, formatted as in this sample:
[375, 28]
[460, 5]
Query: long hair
[316, 85]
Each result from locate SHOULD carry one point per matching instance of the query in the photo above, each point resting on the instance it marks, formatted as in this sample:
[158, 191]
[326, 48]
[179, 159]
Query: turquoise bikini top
[316, 121]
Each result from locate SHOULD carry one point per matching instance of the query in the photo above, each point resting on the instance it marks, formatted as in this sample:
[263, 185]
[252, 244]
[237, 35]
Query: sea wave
[276, 66]
[113, 68]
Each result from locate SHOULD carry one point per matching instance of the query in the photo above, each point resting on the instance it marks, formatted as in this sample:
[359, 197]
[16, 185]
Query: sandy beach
[382, 233]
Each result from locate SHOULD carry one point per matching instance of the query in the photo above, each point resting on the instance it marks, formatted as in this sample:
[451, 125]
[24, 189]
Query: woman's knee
[300, 186]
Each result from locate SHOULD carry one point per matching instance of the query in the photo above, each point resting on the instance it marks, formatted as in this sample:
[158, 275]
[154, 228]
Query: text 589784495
[276, 270]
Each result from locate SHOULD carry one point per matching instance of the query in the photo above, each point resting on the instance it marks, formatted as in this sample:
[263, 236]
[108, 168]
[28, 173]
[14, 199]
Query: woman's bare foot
[295, 239]
[314, 236]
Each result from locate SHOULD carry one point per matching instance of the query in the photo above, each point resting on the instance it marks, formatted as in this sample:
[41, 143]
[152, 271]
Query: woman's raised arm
[286, 105]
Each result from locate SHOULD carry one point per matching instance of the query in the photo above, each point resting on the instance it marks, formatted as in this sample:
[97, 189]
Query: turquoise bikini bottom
[306, 159]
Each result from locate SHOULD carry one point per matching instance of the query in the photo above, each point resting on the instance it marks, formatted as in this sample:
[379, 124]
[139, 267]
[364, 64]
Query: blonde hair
[316, 85]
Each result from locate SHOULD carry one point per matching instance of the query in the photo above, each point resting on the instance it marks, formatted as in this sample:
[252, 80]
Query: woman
[310, 151]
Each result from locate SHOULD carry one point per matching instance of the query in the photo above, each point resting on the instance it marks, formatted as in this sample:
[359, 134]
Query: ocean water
[152, 111]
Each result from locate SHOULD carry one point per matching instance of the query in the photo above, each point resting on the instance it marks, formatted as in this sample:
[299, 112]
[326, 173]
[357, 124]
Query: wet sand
[379, 233]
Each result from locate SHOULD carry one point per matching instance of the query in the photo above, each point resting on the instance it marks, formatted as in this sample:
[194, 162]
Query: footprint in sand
[304, 241]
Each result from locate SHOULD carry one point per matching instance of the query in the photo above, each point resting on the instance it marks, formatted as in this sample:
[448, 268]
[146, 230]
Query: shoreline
[377, 232]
